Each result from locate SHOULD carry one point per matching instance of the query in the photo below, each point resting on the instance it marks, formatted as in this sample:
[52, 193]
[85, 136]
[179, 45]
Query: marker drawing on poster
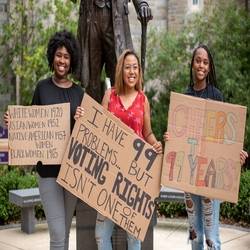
[202, 155]
[38, 133]
[112, 169]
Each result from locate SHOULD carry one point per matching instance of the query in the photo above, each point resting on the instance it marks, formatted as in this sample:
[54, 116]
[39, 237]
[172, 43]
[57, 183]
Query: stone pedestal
[85, 231]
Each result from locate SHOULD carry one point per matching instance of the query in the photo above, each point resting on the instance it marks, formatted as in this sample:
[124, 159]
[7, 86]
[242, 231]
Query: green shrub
[17, 178]
[14, 178]
[239, 212]
[233, 213]
[171, 209]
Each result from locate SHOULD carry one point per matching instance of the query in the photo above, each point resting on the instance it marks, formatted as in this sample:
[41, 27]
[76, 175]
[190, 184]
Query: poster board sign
[203, 153]
[112, 169]
[38, 133]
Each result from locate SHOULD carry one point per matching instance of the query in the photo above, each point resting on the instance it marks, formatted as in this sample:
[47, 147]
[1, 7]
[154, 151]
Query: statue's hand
[145, 13]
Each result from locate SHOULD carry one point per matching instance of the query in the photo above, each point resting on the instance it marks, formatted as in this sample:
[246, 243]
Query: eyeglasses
[129, 67]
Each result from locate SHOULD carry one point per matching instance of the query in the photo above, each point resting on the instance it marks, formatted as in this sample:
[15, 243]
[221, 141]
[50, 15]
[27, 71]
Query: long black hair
[211, 76]
[65, 39]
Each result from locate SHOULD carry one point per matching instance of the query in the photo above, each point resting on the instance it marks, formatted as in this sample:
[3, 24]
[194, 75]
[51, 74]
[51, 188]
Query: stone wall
[176, 14]
[159, 10]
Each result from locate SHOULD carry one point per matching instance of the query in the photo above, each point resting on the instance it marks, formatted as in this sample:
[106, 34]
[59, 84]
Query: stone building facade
[171, 15]
[168, 15]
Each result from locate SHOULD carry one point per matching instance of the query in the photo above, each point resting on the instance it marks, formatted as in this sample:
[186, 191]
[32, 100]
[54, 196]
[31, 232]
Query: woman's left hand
[166, 136]
[243, 156]
[79, 112]
[158, 147]
[6, 118]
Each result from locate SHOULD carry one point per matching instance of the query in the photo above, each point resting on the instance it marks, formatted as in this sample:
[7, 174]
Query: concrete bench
[170, 194]
[26, 199]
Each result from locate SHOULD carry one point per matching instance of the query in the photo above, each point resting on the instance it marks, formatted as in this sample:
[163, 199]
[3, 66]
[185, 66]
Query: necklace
[66, 84]
[200, 93]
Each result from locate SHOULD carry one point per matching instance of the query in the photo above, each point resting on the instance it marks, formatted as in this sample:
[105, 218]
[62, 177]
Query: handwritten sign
[38, 133]
[203, 154]
[112, 169]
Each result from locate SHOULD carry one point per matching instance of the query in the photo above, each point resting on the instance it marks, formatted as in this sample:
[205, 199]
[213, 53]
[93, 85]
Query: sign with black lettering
[203, 153]
[38, 133]
[112, 169]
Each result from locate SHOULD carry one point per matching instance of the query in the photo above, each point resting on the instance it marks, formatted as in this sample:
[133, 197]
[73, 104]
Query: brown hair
[119, 83]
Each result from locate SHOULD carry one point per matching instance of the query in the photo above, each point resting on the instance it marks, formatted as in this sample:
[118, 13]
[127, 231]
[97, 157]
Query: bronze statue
[103, 33]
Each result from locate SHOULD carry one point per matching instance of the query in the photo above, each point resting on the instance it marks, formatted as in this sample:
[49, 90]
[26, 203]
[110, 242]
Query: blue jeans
[59, 206]
[103, 232]
[204, 220]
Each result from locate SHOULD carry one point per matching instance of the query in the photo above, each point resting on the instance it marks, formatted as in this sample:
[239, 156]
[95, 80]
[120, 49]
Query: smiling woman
[58, 203]
[127, 102]
[61, 66]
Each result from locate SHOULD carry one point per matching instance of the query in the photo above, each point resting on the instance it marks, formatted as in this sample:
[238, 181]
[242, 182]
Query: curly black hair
[65, 39]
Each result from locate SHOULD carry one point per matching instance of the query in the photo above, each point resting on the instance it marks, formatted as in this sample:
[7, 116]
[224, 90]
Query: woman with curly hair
[58, 203]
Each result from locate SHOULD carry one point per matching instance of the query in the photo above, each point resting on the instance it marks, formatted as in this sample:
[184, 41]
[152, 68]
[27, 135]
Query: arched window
[195, 5]
[3, 7]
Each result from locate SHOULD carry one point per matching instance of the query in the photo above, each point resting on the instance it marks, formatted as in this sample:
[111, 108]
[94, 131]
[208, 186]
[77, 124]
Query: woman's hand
[6, 118]
[158, 147]
[166, 136]
[243, 156]
[79, 112]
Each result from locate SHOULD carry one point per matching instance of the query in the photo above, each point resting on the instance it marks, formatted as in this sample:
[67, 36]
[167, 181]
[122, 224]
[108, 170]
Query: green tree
[225, 29]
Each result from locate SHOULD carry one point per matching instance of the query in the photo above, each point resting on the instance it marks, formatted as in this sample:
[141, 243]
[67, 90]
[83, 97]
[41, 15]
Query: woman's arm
[105, 102]
[147, 130]
[105, 99]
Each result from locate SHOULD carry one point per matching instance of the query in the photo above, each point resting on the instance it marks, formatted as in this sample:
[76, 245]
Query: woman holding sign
[127, 102]
[203, 213]
[58, 203]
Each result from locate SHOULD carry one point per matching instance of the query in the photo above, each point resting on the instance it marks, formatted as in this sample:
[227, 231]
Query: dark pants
[101, 51]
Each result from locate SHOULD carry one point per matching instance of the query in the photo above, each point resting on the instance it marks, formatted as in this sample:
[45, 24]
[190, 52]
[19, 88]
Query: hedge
[17, 178]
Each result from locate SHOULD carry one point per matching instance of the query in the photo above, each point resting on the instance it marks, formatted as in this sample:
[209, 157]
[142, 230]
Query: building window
[195, 5]
[3, 7]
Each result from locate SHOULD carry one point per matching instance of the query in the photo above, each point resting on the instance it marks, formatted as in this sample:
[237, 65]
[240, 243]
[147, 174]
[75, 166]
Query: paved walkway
[168, 234]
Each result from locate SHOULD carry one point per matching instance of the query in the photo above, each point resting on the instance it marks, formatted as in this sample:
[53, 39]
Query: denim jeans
[209, 228]
[59, 206]
[103, 232]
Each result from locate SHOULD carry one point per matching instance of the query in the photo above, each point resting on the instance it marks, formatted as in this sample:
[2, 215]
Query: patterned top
[133, 116]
